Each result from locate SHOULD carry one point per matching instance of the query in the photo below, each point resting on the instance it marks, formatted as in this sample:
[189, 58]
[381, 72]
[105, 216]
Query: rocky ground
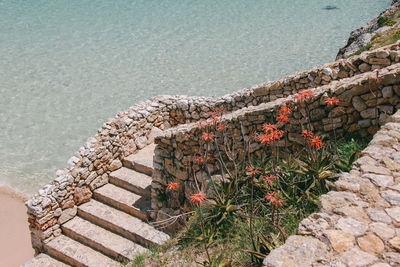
[380, 31]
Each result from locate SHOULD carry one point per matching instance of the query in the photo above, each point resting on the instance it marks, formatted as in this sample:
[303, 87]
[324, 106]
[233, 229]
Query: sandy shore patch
[15, 243]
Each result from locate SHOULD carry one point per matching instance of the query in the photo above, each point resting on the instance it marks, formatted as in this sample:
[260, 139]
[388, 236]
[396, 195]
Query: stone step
[123, 200]
[121, 223]
[106, 242]
[141, 161]
[131, 180]
[43, 260]
[77, 254]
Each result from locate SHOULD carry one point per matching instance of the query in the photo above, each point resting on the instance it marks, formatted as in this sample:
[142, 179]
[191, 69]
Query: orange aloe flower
[270, 137]
[208, 137]
[315, 142]
[283, 118]
[213, 120]
[198, 198]
[331, 101]
[221, 127]
[172, 186]
[275, 200]
[269, 179]
[307, 134]
[202, 124]
[199, 160]
[285, 110]
[253, 171]
[303, 95]
[268, 127]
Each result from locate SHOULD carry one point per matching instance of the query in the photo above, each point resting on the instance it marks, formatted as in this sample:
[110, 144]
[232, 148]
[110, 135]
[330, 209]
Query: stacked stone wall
[365, 103]
[133, 129]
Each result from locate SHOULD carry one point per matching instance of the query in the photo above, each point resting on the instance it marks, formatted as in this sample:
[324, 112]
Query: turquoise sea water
[67, 66]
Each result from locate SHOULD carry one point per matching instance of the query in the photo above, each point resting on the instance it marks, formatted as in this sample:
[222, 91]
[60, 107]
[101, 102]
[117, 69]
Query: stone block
[82, 195]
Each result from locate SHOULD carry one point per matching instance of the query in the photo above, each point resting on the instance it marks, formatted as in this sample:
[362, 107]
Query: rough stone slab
[121, 223]
[141, 161]
[297, 251]
[123, 200]
[43, 260]
[131, 180]
[77, 254]
[108, 243]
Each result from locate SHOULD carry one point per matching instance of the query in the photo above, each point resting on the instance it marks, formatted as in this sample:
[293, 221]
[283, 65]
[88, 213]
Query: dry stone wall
[366, 102]
[133, 129]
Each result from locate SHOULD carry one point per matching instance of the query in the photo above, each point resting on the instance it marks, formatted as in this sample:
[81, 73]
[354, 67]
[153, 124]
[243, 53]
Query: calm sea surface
[67, 66]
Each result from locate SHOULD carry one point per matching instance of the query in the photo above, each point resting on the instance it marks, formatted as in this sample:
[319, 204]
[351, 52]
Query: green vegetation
[300, 180]
[384, 38]
[252, 208]
[386, 21]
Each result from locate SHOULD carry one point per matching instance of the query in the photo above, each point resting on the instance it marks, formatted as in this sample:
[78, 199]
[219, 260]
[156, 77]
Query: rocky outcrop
[360, 38]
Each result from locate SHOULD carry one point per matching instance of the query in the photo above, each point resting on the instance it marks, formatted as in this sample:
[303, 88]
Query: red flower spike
[213, 114]
[208, 137]
[283, 118]
[269, 179]
[253, 171]
[285, 110]
[332, 101]
[274, 200]
[172, 186]
[198, 198]
[268, 128]
[221, 127]
[315, 142]
[213, 120]
[307, 134]
[303, 95]
[199, 160]
[270, 137]
[264, 139]
[202, 124]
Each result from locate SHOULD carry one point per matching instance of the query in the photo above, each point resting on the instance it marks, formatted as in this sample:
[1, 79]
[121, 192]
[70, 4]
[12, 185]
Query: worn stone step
[106, 242]
[121, 223]
[131, 180]
[77, 254]
[43, 260]
[124, 200]
[142, 161]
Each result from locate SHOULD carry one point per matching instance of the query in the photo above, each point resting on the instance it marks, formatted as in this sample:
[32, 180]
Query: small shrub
[386, 21]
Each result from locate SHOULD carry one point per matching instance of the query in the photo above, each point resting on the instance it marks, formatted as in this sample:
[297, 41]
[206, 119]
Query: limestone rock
[82, 195]
[358, 258]
[371, 243]
[358, 103]
[382, 230]
[394, 213]
[340, 241]
[395, 243]
[115, 165]
[352, 226]
[297, 251]
[67, 215]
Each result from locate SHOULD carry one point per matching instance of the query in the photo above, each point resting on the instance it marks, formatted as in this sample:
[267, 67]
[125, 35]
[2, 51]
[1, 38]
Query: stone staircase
[111, 228]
